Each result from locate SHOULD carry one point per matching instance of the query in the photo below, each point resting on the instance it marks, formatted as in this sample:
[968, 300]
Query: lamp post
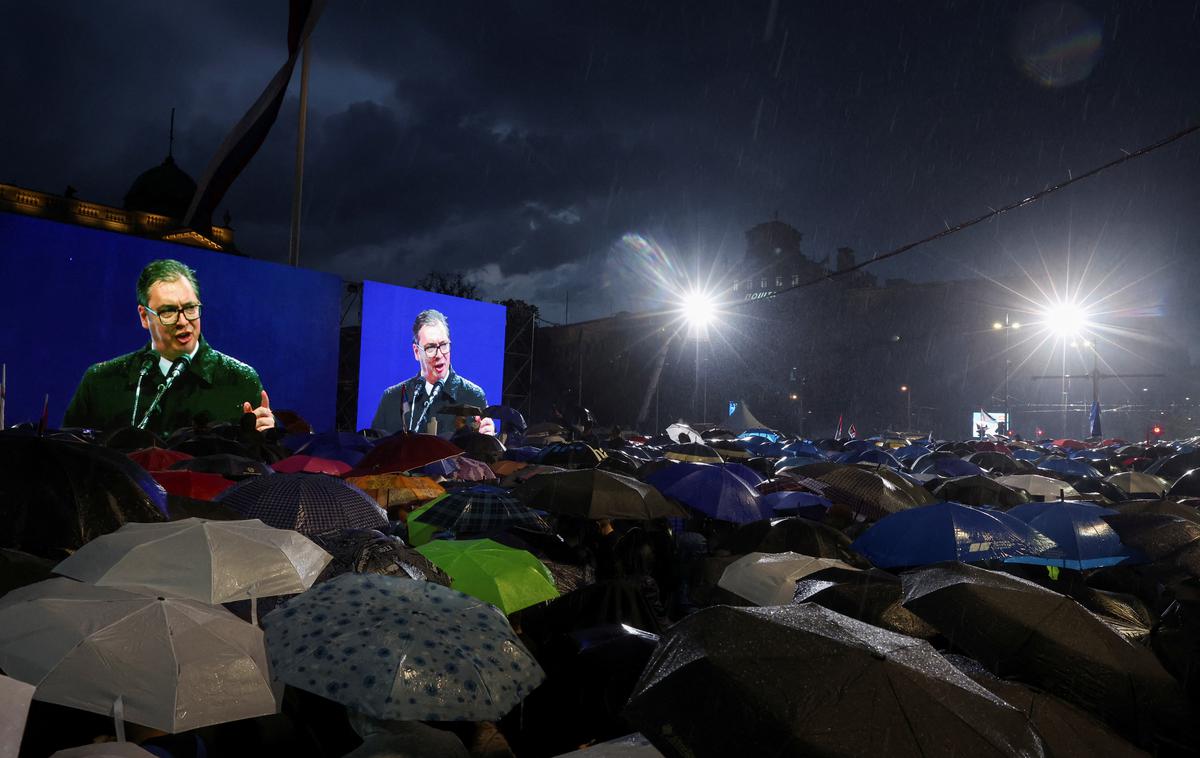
[908, 402]
[1007, 326]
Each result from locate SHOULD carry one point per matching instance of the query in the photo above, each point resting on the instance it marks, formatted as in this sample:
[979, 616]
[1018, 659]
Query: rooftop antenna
[171, 137]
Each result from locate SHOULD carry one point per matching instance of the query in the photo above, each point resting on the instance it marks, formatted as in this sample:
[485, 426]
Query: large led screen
[68, 300]
[386, 359]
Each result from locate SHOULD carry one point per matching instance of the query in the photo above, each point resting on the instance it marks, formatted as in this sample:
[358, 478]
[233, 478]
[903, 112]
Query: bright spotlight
[1065, 319]
[997, 325]
[699, 309]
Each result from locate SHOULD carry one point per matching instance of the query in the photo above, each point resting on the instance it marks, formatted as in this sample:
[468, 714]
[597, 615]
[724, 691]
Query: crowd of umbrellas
[697, 592]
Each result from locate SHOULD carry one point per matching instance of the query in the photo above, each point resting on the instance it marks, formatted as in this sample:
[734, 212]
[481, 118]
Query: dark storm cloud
[520, 141]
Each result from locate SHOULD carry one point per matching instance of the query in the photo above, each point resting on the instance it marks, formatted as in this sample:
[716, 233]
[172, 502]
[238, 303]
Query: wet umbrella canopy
[595, 494]
[55, 496]
[400, 649]
[308, 503]
[1016, 628]
[797, 680]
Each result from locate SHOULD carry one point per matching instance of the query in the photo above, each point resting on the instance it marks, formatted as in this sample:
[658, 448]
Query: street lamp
[908, 400]
[1007, 326]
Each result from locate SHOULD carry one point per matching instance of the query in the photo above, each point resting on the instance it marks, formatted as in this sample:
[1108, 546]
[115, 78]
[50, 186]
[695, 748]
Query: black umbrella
[1016, 628]
[368, 551]
[482, 447]
[873, 596]
[1108, 492]
[791, 534]
[802, 680]
[589, 493]
[590, 674]
[997, 463]
[1175, 466]
[1158, 507]
[980, 490]
[55, 496]
[236, 467]
[619, 462]
[18, 569]
[1158, 536]
[1065, 729]
[127, 439]
[1187, 485]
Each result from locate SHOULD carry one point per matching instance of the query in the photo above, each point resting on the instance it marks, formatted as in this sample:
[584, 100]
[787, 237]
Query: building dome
[165, 189]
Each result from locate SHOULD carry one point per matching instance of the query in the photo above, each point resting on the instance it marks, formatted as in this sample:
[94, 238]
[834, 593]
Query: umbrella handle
[119, 718]
[253, 605]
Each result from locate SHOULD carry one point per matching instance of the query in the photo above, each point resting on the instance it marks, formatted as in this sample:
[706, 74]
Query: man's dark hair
[429, 317]
[163, 270]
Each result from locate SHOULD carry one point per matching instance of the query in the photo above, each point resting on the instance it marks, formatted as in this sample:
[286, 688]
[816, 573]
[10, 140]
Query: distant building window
[779, 281]
[795, 280]
[735, 287]
[763, 283]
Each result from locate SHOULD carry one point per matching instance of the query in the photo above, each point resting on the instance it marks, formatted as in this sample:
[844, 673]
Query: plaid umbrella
[310, 464]
[308, 503]
[479, 509]
[157, 458]
[397, 649]
[404, 452]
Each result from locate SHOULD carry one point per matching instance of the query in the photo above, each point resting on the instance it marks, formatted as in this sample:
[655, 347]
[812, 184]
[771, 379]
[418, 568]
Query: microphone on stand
[137, 392]
[177, 368]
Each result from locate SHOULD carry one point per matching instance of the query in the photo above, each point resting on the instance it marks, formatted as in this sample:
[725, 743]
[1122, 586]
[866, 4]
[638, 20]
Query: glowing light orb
[1066, 319]
[699, 309]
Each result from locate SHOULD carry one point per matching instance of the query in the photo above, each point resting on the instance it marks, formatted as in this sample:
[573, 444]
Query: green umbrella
[418, 531]
[508, 578]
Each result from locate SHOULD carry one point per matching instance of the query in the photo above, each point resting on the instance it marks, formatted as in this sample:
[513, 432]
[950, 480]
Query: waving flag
[249, 133]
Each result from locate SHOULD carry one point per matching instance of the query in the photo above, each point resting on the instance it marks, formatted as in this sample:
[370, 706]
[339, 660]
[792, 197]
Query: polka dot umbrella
[400, 649]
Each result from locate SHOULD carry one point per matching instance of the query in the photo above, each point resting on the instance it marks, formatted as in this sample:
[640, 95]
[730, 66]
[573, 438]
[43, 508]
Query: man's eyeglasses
[432, 350]
[170, 314]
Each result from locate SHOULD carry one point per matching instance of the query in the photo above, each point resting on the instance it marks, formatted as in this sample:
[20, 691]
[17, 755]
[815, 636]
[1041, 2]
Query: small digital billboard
[985, 423]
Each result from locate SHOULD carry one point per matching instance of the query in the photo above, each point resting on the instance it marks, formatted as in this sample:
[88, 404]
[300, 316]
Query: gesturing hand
[263, 418]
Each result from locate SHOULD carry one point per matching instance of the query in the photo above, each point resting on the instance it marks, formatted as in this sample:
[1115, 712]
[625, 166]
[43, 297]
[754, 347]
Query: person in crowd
[414, 402]
[205, 386]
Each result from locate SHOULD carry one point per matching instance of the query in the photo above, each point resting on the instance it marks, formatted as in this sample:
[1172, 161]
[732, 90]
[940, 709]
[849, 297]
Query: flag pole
[298, 187]
[3, 391]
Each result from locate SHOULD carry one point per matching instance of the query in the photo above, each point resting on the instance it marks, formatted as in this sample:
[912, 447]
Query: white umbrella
[209, 561]
[14, 710]
[1041, 486]
[169, 664]
[1139, 483]
[770, 578]
[681, 432]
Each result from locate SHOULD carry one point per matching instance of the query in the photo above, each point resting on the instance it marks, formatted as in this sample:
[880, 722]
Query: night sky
[518, 142]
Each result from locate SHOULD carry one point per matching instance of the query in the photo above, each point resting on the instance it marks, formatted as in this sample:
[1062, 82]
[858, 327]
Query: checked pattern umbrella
[399, 649]
[479, 509]
[307, 503]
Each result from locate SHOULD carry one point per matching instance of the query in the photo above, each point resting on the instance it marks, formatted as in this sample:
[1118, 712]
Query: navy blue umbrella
[796, 503]
[711, 490]
[1070, 467]
[1085, 539]
[949, 531]
[308, 503]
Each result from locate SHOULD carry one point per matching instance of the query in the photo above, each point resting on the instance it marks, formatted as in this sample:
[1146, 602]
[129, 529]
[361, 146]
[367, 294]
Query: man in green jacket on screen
[201, 384]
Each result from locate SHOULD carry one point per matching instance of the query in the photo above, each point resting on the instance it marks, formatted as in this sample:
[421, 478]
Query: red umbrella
[193, 484]
[157, 458]
[404, 452]
[1071, 444]
[310, 464]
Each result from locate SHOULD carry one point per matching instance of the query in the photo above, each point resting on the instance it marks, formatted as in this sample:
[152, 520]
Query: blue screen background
[388, 311]
[68, 301]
